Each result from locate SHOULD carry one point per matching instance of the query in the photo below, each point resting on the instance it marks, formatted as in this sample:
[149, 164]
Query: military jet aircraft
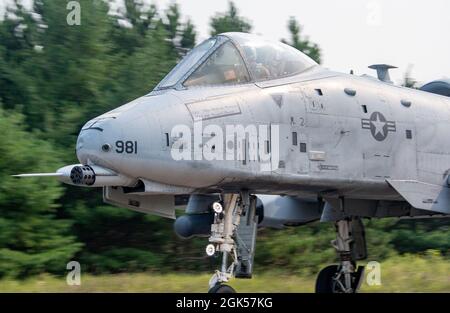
[246, 133]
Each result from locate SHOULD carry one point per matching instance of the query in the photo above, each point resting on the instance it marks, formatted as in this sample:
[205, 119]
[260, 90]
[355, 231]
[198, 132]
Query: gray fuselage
[352, 133]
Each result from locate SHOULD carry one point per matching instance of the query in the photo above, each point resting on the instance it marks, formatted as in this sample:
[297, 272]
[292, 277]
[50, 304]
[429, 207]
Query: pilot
[275, 62]
[260, 71]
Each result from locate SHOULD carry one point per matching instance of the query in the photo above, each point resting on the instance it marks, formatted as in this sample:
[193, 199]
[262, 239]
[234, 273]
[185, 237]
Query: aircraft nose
[87, 145]
[93, 143]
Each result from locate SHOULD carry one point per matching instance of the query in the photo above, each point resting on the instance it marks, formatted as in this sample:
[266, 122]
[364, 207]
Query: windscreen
[186, 64]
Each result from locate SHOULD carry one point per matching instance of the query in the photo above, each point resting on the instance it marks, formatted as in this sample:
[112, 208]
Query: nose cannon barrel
[82, 175]
[92, 176]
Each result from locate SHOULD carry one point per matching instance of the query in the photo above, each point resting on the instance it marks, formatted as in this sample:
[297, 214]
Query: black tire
[324, 281]
[219, 288]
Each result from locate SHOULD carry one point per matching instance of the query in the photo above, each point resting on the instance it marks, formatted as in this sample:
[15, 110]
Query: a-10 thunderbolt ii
[256, 134]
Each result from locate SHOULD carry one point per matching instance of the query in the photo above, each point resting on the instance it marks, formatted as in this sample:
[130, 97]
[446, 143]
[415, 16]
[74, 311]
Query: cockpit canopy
[236, 58]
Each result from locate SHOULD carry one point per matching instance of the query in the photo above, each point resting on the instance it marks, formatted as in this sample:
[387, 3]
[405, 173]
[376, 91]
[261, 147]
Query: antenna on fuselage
[383, 72]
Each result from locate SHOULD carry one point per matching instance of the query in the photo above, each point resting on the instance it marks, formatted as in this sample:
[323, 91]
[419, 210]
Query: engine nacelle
[439, 87]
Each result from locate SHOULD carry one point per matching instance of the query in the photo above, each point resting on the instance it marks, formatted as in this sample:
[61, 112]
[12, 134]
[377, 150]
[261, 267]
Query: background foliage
[53, 78]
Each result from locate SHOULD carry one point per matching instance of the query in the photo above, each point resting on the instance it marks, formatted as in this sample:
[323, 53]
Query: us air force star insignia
[378, 126]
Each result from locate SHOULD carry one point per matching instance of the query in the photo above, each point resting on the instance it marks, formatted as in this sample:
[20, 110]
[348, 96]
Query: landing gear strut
[350, 246]
[235, 241]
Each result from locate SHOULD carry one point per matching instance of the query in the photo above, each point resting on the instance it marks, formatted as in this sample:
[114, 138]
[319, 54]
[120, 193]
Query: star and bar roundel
[378, 125]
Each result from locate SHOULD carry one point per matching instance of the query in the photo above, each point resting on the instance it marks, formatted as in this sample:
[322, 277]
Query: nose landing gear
[234, 240]
[350, 245]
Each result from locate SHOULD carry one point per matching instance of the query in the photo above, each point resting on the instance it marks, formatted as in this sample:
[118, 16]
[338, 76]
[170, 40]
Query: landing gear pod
[190, 225]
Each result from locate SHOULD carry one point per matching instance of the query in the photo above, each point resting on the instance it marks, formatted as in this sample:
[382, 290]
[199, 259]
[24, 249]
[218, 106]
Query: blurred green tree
[17, 46]
[155, 44]
[229, 21]
[32, 239]
[130, 25]
[181, 35]
[303, 44]
[54, 73]
[188, 36]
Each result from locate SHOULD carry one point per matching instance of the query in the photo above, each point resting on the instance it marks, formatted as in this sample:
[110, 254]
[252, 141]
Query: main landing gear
[233, 234]
[350, 245]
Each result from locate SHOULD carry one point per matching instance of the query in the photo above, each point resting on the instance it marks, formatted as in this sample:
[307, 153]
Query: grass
[427, 273]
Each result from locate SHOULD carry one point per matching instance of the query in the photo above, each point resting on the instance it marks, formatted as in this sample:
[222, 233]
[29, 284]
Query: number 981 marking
[129, 147]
